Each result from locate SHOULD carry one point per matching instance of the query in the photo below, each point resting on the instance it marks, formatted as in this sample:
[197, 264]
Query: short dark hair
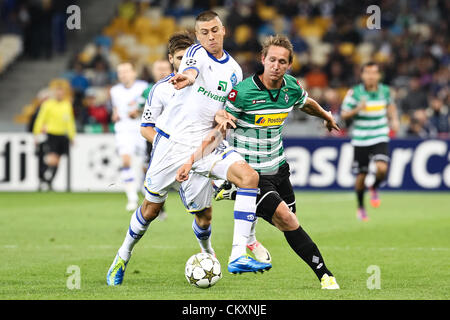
[369, 64]
[206, 16]
[180, 41]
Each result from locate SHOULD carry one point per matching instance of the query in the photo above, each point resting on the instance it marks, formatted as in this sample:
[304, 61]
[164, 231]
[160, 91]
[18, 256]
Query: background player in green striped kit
[259, 106]
[370, 107]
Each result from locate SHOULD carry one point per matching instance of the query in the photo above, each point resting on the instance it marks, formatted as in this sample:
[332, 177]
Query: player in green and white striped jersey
[260, 117]
[259, 106]
[370, 107]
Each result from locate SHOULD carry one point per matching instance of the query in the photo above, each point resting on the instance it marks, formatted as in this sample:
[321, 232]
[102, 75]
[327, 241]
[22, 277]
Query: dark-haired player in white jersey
[208, 74]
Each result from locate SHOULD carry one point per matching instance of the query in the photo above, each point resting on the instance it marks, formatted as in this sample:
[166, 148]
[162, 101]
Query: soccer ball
[202, 270]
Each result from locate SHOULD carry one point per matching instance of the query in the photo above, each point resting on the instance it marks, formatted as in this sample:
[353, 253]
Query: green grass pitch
[42, 234]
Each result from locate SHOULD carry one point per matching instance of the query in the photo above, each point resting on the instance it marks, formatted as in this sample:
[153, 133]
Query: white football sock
[137, 228]
[203, 237]
[244, 215]
[129, 182]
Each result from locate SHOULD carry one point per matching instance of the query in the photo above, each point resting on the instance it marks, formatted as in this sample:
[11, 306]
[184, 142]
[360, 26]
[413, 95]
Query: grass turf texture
[42, 234]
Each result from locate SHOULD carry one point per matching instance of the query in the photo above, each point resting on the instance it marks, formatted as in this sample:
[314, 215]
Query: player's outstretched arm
[212, 140]
[311, 107]
[184, 79]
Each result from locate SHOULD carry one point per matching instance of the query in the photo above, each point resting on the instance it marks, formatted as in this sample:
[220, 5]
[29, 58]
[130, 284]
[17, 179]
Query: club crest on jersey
[222, 86]
[232, 95]
[233, 79]
[286, 98]
[193, 205]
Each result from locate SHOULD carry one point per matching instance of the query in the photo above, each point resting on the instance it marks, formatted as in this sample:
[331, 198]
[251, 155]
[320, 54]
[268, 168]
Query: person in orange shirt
[56, 120]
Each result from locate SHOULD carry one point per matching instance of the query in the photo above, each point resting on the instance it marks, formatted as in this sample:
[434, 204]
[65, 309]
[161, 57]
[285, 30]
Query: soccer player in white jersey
[159, 98]
[207, 75]
[125, 98]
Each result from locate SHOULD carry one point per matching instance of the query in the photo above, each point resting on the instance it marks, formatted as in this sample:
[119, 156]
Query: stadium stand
[331, 41]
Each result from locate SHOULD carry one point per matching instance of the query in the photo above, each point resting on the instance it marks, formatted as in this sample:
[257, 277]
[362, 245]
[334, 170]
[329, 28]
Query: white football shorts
[131, 143]
[196, 192]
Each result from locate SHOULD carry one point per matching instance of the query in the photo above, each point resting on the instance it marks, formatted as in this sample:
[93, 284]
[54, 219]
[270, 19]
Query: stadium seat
[11, 46]
[266, 13]
[222, 12]
[187, 22]
[153, 13]
[346, 48]
[142, 25]
[311, 30]
[299, 22]
[242, 34]
[324, 23]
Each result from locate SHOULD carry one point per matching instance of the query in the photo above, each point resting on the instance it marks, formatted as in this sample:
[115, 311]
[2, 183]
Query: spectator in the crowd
[101, 76]
[59, 25]
[416, 97]
[316, 78]
[439, 117]
[78, 81]
[336, 74]
[79, 84]
[419, 126]
[95, 112]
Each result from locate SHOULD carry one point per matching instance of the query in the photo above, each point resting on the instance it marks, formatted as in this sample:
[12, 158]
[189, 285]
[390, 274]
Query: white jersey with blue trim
[189, 115]
[158, 98]
[125, 100]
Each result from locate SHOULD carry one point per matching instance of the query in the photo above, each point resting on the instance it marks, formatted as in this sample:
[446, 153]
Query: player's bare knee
[150, 210]
[381, 168]
[242, 175]
[250, 178]
[204, 218]
[284, 219]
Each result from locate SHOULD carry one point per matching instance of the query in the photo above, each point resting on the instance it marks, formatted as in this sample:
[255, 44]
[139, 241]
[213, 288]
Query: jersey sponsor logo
[260, 121]
[259, 101]
[266, 120]
[232, 95]
[222, 86]
[211, 95]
